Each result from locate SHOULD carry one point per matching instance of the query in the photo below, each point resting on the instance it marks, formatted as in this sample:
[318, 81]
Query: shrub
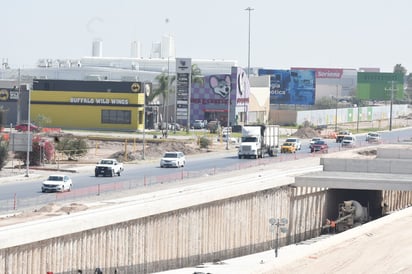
[39, 146]
[4, 153]
[204, 142]
[72, 147]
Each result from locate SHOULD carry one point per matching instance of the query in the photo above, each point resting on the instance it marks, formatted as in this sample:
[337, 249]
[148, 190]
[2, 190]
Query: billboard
[293, 87]
[220, 96]
[378, 85]
[324, 73]
[183, 84]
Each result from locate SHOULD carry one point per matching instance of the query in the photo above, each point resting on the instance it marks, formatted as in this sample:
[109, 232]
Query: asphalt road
[18, 193]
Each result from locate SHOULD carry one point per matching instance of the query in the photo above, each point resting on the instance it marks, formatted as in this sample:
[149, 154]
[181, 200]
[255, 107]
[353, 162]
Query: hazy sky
[284, 34]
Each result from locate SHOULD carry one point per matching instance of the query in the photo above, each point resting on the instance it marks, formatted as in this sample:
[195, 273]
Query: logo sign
[326, 73]
[4, 95]
[183, 65]
[136, 87]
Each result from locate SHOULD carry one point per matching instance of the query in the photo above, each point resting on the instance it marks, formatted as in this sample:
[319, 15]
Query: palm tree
[197, 76]
[165, 83]
[164, 87]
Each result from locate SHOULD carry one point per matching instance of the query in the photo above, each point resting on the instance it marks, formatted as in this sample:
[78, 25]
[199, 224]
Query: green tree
[325, 103]
[4, 152]
[197, 76]
[398, 68]
[72, 147]
[164, 87]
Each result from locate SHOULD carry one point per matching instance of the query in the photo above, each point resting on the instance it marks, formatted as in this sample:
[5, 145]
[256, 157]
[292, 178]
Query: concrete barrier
[398, 166]
[395, 153]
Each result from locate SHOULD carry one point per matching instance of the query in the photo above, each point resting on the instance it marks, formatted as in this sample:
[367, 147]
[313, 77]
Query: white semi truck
[258, 140]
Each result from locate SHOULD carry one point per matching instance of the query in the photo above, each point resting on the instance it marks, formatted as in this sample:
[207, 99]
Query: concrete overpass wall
[395, 153]
[179, 238]
[377, 165]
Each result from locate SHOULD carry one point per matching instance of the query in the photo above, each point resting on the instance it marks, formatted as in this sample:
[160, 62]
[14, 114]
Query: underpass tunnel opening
[371, 199]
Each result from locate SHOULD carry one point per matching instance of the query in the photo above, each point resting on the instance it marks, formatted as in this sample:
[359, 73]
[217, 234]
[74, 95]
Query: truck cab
[258, 140]
[341, 135]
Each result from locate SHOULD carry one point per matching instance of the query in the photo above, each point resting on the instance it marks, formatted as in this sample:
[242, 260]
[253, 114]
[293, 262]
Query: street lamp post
[248, 9]
[336, 109]
[28, 138]
[390, 114]
[391, 89]
[144, 129]
[228, 122]
[277, 224]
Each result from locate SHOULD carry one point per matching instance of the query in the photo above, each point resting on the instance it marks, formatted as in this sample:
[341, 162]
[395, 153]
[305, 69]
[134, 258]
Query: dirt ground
[97, 150]
[130, 152]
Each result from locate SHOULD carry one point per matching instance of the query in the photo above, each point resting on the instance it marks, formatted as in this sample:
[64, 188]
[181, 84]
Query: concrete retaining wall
[189, 236]
[186, 237]
[395, 200]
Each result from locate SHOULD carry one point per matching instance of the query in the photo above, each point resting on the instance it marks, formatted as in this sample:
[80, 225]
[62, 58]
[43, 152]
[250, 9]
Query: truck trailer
[259, 140]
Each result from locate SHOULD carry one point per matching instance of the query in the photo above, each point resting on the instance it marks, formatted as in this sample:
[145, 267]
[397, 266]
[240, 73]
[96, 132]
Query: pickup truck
[341, 135]
[108, 167]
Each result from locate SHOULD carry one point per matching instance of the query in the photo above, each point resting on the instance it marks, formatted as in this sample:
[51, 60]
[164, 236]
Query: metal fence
[94, 193]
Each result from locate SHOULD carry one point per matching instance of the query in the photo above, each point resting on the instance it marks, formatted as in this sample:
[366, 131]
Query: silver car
[372, 137]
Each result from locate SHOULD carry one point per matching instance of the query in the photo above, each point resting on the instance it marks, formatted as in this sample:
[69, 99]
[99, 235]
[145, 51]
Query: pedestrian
[333, 226]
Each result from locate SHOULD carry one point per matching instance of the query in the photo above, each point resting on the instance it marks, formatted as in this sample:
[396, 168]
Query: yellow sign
[4, 95]
[136, 87]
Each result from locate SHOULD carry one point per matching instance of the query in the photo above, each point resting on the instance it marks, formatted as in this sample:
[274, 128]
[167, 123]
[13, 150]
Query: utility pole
[228, 122]
[19, 99]
[336, 110]
[391, 89]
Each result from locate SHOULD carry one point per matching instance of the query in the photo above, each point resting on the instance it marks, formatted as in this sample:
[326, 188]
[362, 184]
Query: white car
[349, 141]
[373, 137]
[57, 183]
[173, 159]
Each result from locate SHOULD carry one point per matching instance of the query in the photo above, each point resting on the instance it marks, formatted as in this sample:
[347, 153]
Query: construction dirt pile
[306, 133]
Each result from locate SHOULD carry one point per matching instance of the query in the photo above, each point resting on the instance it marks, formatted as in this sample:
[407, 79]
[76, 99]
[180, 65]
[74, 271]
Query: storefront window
[116, 117]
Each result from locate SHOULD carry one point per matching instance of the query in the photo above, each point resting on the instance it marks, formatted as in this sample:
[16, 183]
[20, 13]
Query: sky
[283, 34]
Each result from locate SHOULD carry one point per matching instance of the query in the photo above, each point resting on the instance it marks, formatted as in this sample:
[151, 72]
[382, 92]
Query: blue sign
[293, 87]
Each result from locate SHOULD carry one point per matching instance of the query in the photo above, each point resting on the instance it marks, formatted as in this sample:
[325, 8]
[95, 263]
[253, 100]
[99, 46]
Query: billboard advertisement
[293, 87]
[324, 73]
[183, 84]
[379, 86]
[220, 97]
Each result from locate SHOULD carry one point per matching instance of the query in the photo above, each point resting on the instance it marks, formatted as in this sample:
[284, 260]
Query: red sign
[332, 73]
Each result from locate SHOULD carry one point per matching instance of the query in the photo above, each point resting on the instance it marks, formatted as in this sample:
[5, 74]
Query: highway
[26, 193]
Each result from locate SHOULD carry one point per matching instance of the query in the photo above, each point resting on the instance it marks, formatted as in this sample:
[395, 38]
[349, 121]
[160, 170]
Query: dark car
[320, 146]
[25, 126]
